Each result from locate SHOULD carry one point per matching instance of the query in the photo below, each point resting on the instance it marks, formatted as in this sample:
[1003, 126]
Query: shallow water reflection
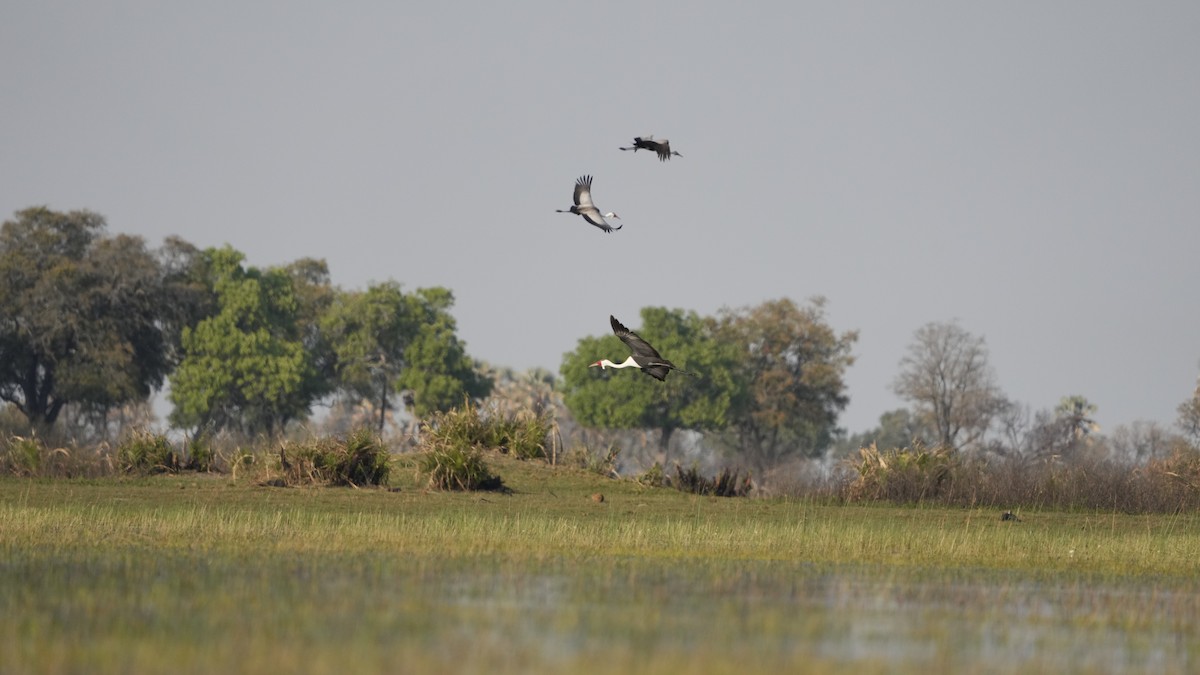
[772, 614]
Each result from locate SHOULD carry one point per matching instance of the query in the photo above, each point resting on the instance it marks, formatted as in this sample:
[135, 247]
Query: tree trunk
[664, 443]
[383, 403]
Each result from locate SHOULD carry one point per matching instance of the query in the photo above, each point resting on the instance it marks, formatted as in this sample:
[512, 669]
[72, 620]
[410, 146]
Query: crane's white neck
[627, 363]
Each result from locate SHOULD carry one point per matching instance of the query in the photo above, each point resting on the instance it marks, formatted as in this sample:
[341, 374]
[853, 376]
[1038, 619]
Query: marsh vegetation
[204, 572]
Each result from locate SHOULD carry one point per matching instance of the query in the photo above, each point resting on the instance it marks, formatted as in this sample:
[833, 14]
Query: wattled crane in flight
[644, 356]
[661, 146]
[584, 206]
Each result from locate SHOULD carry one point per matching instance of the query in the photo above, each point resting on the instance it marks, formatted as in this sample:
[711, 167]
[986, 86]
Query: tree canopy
[946, 375]
[385, 340]
[627, 400]
[437, 369]
[244, 367]
[790, 370]
[82, 315]
[770, 378]
[897, 429]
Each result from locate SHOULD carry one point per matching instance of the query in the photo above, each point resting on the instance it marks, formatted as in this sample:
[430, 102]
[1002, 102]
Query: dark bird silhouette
[584, 206]
[644, 356]
[661, 146]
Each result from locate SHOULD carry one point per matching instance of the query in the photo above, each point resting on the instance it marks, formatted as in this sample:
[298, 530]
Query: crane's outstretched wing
[646, 356]
[583, 193]
[640, 143]
[663, 148]
[658, 372]
[593, 216]
[636, 344]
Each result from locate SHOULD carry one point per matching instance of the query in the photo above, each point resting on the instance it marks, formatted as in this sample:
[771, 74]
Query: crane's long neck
[627, 363]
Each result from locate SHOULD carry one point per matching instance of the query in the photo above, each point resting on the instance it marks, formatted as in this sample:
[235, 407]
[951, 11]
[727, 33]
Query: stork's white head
[610, 214]
[598, 363]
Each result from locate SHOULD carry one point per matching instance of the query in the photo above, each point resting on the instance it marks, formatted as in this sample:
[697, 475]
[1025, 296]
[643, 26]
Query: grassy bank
[198, 573]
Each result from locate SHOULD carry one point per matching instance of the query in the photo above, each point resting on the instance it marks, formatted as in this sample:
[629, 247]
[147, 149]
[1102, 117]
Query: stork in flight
[584, 206]
[661, 146]
[644, 356]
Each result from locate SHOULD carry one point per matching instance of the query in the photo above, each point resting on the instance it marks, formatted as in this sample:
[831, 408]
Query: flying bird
[661, 146]
[584, 206]
[644, 356]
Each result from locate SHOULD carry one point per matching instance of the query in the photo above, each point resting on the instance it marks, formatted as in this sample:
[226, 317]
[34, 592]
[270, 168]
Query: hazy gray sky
[1031, 169]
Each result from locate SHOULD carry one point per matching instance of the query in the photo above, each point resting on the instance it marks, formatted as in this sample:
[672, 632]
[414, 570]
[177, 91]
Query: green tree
[81, 315]
[897, 429]
[245, 367]
[368, 333]
[384, 340]
[315, 298]
[790, 371]
[621, 399]
[437, 369]
[189, 295]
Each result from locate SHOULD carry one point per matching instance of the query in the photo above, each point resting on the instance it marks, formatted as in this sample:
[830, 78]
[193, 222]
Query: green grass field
[200, 573]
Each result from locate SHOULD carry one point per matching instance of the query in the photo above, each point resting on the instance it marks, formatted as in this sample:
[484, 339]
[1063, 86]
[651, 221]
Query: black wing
[642, 143]
[658, 372]
[636, 344]
[646, 356]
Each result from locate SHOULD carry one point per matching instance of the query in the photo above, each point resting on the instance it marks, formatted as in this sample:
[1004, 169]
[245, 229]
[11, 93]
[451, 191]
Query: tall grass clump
[360, 459]
[145, 452]
[200, 454]
[453, 444]
[458, 468]
[30, 456]
[22, 455]
[521, 435]
[902, 474]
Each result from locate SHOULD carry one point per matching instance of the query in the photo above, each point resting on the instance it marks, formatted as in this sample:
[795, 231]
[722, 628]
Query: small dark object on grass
[598, 498]
[1009, 515]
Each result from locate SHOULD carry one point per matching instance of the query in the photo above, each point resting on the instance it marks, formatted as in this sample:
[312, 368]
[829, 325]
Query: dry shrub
[913, 474]
[918, 475]
[653, 477]
[583, 457]
[724, 484]
[31, 457]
